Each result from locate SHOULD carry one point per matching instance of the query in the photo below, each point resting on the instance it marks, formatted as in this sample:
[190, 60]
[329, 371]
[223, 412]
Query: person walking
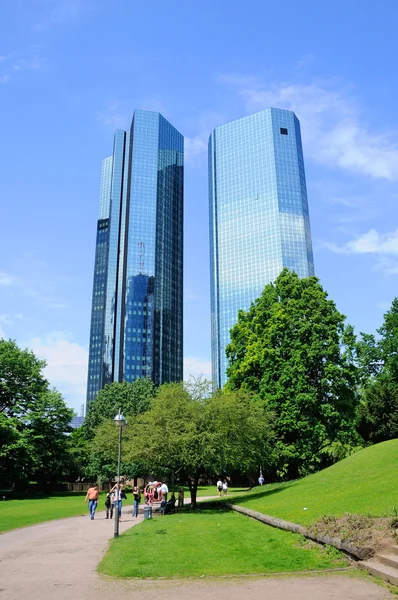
[261, 480]
[137, 500]
[92, 498]
[165, 490]
[219, 487]
[224, 487]
[109, 504]
[118, 495]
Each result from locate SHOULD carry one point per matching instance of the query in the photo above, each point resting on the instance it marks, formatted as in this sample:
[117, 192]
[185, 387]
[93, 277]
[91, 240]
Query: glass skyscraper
[259, 221]
[136, 318]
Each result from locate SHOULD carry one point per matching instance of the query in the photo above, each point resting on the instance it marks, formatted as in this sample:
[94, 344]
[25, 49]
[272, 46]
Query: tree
[378, 359]
[378, 413]
[132, 398]
[21, 379]
[33, 422]
[293, 351]
[192, 438]
[46, 425]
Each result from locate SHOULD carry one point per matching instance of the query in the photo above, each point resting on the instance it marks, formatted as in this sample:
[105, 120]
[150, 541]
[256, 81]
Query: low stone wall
[359, 553]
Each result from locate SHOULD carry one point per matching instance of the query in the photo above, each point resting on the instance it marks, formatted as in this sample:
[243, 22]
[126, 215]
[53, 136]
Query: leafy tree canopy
[293, 350]
[132, 398]
[33, 421]
[378, 359]
[192, 438]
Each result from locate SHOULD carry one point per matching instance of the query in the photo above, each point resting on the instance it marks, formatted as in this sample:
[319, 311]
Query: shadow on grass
[243, 498]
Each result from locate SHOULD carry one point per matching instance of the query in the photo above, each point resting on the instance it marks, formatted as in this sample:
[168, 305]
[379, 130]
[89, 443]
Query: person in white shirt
[165, 490]
[219, 487]
[224, 488]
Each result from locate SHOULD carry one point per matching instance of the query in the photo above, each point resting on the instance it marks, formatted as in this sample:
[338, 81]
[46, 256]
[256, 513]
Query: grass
[211, 490]
[365, 483]
[20, 513]
[211, 543]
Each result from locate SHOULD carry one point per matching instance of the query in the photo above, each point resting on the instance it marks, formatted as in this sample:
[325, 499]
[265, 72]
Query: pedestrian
[224, 487]
[261, 480]
[150, 495]
[92, 498]
[165, 490]
[118, 495]
[219, 487]
[109, 504]
[137, 500]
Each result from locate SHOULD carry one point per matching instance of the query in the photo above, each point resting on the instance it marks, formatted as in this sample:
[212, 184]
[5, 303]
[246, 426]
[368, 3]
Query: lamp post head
[119, 420]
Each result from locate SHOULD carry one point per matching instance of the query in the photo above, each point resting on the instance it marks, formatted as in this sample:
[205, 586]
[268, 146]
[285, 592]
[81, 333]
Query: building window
[284, 131]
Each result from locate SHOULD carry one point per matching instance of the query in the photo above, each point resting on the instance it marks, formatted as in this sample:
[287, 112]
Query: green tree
[21, 379]
[293, 351]
[132, 398]
[378, 360]
[192, 438]
[34, 420]
[45, 426]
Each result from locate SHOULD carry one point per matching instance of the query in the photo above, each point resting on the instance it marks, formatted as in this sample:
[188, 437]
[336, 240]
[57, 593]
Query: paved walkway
[57, 561]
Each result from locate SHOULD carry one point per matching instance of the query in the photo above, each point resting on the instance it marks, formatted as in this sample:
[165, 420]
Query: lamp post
[120, 422]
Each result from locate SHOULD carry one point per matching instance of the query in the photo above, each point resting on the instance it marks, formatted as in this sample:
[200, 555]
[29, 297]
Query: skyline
[259, 218]
[64, 91]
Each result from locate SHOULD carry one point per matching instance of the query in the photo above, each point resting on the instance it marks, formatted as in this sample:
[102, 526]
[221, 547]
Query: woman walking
[118, 495]
[137, 500]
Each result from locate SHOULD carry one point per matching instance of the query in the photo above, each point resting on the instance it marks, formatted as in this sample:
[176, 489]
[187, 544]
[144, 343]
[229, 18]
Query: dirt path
[57, 561]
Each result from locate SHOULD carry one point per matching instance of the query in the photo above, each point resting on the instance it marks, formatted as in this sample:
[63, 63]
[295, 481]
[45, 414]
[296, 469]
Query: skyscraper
[259, 221]
[136, 318]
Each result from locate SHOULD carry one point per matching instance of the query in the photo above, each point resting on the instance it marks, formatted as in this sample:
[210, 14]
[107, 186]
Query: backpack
[108, 501]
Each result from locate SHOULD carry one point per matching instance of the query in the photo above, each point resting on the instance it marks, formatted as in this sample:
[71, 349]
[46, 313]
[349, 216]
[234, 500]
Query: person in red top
[92, 497]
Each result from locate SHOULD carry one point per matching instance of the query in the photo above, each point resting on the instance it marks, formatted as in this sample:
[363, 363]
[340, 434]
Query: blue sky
[71, 71]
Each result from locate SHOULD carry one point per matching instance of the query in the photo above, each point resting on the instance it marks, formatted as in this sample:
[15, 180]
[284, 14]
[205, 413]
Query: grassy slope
[364, 483]
[20, 513]
[210, 543]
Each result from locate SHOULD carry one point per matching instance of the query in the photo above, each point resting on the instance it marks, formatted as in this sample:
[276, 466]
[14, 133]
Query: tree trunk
[193, 489]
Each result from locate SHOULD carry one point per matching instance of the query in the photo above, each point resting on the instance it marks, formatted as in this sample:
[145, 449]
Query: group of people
[114, 500]
[154, 491]
[222, 487]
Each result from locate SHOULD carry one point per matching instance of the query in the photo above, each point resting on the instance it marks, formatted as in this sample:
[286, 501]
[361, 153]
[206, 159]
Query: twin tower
[259, 224]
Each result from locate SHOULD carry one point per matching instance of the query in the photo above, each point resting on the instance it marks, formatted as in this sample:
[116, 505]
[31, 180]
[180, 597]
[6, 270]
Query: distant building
[136, 319]
[76, 422]
[259, 220]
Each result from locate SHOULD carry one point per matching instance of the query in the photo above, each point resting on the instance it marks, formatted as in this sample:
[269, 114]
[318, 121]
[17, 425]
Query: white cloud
[10, 319]
[384, 305]
[60, 12]
[33, 63]
[194, 366]
[67, 363]
[371, 242]
[195, 148]
[114, 115]
[334, 132]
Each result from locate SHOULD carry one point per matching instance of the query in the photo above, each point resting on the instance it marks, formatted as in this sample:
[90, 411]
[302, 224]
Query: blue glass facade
[136, 322]
[259, 220]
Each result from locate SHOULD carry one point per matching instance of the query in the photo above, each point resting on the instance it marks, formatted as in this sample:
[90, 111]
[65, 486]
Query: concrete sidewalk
[57, 560]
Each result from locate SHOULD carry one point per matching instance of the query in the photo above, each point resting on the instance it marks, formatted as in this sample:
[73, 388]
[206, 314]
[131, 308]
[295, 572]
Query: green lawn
[363, 483]
[211, 490]
[20, 513]
[191, 544]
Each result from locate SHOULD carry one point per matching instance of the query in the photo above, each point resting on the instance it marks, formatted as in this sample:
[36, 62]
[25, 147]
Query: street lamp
[120, 422]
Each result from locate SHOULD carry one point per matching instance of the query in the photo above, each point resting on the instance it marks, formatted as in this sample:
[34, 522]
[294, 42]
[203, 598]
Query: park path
[57, 561]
